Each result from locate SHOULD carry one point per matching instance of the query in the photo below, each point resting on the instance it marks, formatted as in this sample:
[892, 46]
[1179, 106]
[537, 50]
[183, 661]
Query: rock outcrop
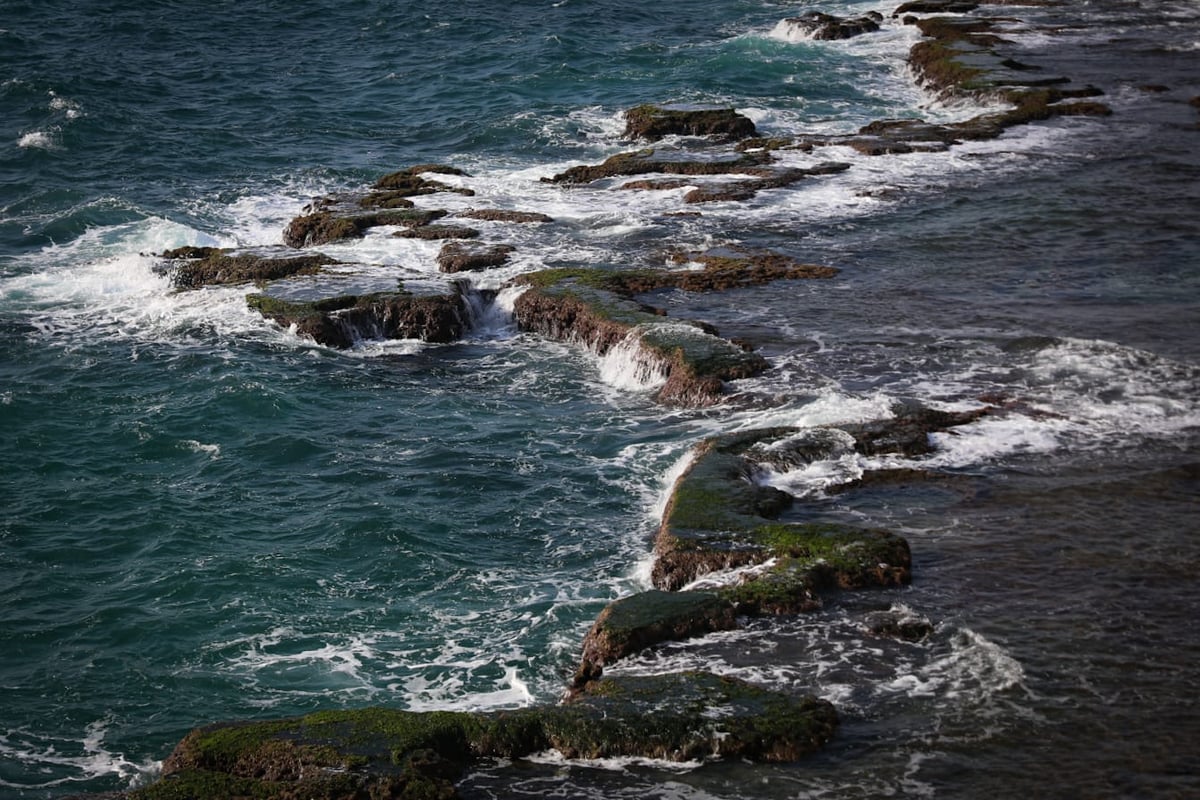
[588, 307]
[653, 122]
[822, 26]
[722, 550]
[382, 752]
[343, 320]
[195, 267]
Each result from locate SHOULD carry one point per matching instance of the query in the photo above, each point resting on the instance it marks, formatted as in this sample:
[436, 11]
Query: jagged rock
[382, 752]
[642, 620]
[653, 122]
[341, 321]
[457, 257]
[818, 25]
[194, 267]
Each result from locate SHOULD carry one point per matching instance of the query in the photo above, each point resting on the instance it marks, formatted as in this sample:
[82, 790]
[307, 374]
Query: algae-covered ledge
[389, 753]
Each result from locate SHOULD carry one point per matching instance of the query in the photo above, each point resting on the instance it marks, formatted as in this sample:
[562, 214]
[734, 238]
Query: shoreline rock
[382, 752]
[589, 307]
[345, 319]
[653, 122]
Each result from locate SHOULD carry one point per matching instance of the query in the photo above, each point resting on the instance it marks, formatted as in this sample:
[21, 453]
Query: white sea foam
[973, 671]
[729, 577]
[213, 451]
[70, 108]
[75, 761]
[628, 366]
[615, 764]
[39, 140]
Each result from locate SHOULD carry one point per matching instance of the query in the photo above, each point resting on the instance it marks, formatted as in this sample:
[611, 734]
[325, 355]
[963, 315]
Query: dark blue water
[204, 517]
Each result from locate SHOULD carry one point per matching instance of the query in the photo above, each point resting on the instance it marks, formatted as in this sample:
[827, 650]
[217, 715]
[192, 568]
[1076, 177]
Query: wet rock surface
[652, 122]
[382, 752]
[594, 308]
[819, 25]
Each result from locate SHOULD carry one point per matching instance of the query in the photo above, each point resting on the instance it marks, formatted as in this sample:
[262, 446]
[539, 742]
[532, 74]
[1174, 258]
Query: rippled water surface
[206, 517]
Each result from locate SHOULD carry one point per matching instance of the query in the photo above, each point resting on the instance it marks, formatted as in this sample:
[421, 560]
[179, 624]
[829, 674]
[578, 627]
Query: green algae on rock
[642, 620]
[381, 752]
[340, 321]
[581, 305]
[194, 267]
[719, 518]
[325, 226]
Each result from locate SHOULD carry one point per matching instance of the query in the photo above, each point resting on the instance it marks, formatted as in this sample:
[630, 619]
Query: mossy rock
[720, 517]
[380, 752]
[193, 268]
[597, 307]
[325, 226]
[653, 122]
[634, 623]
[576, 305]
[341, 321]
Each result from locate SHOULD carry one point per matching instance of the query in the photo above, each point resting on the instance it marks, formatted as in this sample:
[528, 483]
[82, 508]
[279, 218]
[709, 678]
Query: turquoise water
[205, 517]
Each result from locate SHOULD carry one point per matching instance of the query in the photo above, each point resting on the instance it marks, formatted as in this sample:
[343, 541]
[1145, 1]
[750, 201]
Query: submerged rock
[898, 623]
[382, 752]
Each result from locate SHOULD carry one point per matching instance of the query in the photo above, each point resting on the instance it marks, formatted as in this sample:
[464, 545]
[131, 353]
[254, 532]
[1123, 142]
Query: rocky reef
[597, 308]
[731, 543]
[722, 550]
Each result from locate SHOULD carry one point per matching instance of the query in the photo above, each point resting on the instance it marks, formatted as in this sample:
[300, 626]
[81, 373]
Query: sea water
[206, 517]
